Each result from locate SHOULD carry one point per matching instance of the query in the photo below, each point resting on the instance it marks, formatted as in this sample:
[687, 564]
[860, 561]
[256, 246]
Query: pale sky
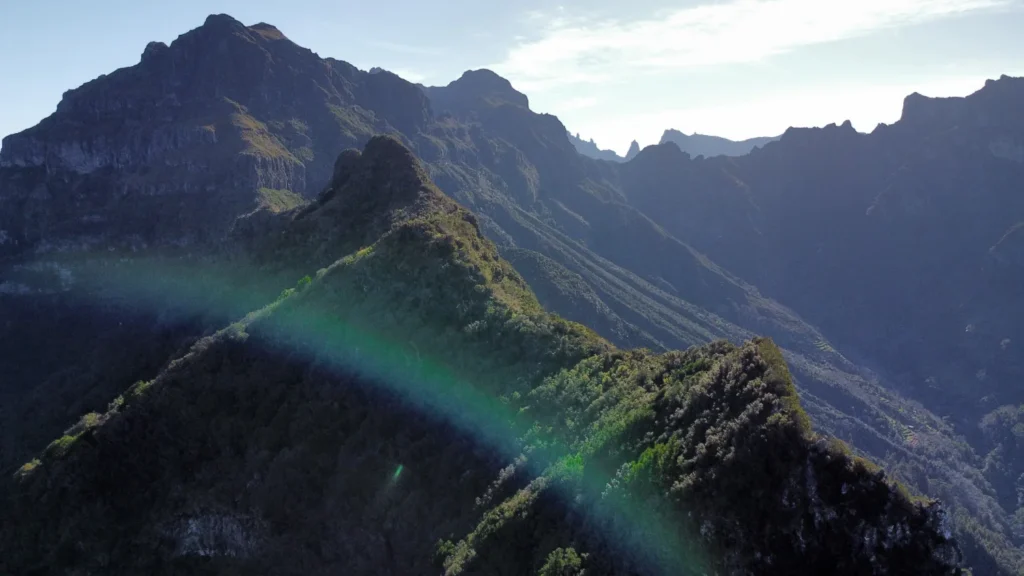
[613, 71]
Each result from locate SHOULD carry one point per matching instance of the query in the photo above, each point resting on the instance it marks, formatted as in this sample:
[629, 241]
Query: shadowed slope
[411, 398]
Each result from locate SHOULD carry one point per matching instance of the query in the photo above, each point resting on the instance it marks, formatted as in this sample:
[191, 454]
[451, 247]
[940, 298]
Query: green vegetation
[258, 139]
[279, 200]
[562, 562]
[526, 443]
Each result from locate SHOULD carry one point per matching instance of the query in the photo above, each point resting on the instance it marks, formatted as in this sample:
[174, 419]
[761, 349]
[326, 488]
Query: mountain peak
[634, 149]
[387, 154]
[386, 175]
[489, 84]
[370, 192]
[154, 49]
[473, 90]
[268, 31]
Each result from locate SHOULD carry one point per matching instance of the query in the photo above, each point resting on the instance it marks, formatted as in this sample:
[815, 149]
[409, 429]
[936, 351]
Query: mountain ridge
[704, 145]
[187, 474]
[666, 283]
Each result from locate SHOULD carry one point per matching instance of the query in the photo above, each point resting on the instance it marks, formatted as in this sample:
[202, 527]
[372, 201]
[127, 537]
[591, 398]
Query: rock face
[929, 204]
[412, 409]
[693, 144]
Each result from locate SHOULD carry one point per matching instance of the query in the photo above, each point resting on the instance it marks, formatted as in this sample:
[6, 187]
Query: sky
[612, 71]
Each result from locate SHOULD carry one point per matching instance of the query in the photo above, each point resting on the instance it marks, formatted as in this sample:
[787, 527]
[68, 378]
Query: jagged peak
[634, 149]
[371, 192]
[384, 177]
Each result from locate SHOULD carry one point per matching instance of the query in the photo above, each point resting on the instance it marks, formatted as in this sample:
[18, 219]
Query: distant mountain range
[265, 312]
[589, 148]
[708, 146]
[694, 145]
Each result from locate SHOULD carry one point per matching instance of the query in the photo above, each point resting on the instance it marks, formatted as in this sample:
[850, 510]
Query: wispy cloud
[576, 50]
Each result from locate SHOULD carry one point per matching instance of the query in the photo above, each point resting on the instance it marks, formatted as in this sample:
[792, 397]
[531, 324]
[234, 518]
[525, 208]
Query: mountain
[914, 218]
[702, 145]
[694, 145]
[897, 246]
[590, 149]
[199, 138]
[156, 251]
[325, 431]
[634, 149]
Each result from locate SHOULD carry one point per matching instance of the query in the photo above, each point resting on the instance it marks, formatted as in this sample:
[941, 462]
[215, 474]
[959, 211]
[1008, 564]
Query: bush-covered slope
[410, 408]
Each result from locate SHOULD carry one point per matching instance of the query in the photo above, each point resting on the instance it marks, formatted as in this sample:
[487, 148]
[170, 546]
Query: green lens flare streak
[318, 327]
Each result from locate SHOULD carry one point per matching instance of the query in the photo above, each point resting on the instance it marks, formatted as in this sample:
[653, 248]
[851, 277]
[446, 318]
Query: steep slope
[577, 213]
[898, 245]
[710, 146]
[563, 218]
[414, 392]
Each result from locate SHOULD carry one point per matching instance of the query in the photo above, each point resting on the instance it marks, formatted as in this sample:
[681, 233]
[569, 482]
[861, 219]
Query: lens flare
[303, 320]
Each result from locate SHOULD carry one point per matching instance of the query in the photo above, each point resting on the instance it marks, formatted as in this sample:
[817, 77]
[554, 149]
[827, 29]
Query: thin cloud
[580, 51]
